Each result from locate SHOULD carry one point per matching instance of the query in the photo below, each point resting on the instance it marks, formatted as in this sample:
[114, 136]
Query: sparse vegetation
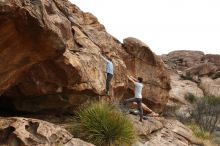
[200, 133]
[206, 113]
[190, 98]
[103, 125]
[217, 75]
[202, 138]
[202, 118]
[188, 76]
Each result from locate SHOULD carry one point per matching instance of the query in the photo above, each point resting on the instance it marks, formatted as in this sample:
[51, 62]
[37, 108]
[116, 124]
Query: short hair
[140, 79]
[109, 58]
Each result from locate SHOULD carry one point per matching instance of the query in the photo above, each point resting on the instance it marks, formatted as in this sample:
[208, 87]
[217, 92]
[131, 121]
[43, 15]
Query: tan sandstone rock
[57, 63]
[181, 88]
[27, 37]
[183, 59]
[213, 58]
[210, 87]
[50, 58]
[142, 62]
[202, 69]
[33, 132]
[174, 133]
[157, 131]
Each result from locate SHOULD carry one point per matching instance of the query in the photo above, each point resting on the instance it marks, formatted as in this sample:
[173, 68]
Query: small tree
[206, 113]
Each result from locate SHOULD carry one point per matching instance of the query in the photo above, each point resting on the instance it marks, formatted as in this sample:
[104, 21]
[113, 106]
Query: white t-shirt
[138, 89]
[109, 67]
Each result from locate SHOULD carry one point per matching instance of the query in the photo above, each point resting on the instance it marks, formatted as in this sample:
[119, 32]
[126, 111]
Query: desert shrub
[200, 133]
[190, 98]
[206, 113]
[188, 76]
[217, 75]
[170, 110]
[103, 125]
[184, 116]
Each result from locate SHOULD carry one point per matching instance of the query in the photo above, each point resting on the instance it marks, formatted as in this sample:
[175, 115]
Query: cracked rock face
[23, 28]
[142, 62]
[33, 132]
[50, 56]
[49, 52]
[210, 87]
[157, 131]
[182, 88]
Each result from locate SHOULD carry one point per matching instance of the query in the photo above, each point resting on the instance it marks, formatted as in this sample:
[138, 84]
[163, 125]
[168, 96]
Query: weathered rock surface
[162, 132]
[174, 133]
[202, 69]
[181, 88]
[56, 64]
[60, 64]
[183, 59]
[213, 58]
[32, 132]
[142, 62]
[192, 62]
[210, 87]
[27, 37]
[191, 72]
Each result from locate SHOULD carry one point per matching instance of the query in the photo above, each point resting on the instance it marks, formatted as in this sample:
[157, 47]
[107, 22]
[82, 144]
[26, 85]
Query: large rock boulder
[210, 87]
[28, 36]
[32, 132]
[202, 69]
[50, 59]
[142, 62]
[174, 133]
[50, 56]
[182, 88]
[213, 58]
[182, 59]
[157, 131]
[195, 63]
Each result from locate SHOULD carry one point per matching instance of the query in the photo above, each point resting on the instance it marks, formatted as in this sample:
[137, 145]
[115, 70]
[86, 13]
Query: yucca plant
[103, 125]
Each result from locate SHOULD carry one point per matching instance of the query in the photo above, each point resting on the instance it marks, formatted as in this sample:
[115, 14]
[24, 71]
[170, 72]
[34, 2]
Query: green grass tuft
[200, 133]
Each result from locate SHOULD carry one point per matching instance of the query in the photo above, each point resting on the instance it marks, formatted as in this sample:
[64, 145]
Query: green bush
[188, 76]
[206, 113]
[103, 125]
[200, 133]
[217, 75]
[190, 98]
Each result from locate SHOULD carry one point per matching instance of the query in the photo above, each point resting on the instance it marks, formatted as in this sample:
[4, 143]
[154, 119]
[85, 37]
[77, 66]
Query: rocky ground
[51, 63]
[192, 73]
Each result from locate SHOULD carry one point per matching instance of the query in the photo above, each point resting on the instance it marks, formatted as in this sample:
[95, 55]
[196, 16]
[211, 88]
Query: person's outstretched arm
[104, 58]
[131, 79]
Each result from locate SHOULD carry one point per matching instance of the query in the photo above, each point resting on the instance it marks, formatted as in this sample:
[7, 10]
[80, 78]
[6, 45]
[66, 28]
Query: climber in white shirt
[109, 71]
[138, 94]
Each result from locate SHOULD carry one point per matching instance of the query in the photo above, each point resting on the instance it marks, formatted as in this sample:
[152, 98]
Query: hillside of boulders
[51, 64]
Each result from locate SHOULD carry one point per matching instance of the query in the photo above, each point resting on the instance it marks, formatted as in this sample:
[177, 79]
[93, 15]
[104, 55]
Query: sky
[164, 25]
